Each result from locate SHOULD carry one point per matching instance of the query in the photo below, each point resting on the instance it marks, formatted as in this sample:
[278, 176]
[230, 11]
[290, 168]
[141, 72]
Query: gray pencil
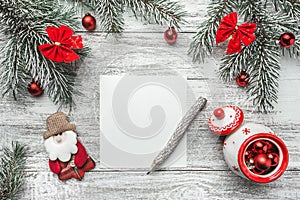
[178, 133]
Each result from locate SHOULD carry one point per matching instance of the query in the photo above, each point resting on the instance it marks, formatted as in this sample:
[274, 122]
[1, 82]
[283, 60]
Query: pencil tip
[148, 173]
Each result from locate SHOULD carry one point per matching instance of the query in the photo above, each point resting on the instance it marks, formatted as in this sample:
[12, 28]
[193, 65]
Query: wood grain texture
[162, 185]
[142, 51]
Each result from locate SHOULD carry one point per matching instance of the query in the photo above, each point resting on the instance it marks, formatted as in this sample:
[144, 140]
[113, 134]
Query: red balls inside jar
[262, 157]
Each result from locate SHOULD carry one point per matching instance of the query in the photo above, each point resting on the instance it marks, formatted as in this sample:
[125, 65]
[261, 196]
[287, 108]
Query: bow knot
[238, 34]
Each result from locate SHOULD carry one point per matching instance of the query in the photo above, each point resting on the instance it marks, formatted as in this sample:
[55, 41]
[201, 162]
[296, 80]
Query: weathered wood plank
[161, 185]
[204, 149]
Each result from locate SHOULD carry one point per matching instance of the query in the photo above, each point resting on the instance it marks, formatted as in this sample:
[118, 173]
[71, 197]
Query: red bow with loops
[243, 33]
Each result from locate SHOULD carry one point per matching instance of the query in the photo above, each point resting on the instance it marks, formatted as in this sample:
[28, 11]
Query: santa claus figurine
[67, 156]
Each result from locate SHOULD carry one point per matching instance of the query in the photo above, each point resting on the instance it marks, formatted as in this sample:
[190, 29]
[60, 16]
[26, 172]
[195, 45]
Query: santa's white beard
[62, 146]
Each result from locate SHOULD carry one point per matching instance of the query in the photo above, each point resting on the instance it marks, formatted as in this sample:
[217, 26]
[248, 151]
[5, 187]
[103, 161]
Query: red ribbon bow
[242, 33]
[64, 42]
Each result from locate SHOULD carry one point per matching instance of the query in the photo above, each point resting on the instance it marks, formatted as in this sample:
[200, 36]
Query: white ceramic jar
[252, 151]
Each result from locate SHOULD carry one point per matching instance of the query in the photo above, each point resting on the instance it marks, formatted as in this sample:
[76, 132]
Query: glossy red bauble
[259, 147]
[170, 35]
[35, 89]
[274, 159]
[262, 162]
[219, 113]
[89, 22]
[242, 79]
[287, 39]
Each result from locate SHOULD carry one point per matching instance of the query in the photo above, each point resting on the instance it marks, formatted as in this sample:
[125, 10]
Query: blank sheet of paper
[138, 115]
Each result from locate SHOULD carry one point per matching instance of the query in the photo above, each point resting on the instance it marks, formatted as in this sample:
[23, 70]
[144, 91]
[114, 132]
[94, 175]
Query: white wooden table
[206, 175]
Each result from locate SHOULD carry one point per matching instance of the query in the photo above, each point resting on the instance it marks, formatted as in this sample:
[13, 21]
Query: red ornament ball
[89, 22]
[259, 147]
[274, 159]
[170, 35]
[242, 79]
[34, 89]
[219, 113]
[262, 162]
[287, 39]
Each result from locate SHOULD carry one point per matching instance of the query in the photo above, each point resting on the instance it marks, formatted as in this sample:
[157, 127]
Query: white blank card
[138, 115]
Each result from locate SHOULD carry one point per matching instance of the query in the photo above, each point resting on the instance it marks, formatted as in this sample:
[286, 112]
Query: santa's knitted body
[67, 156]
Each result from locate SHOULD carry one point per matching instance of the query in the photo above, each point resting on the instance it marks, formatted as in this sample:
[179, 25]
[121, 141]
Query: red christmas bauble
[259, 147]
[219, 113]
[274, 158]
[242, 79]
[287, 39]
[34, 89]
[170, 35]
[89, 22]
[262, 162]
[269, 146]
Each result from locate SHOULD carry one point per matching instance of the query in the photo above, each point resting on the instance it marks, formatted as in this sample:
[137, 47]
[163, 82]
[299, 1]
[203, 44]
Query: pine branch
[282, 23]
[63, 80]
[111, 15]
[264, 67]
[158, 11]
[250, 8]
[204, 40]
[295, 50]
[261, 58]
[290, 7]
[24, 27]
[24, 24]
[233, 64]
[12, 171]
[12, 73]
[80, 5]
[110, 12]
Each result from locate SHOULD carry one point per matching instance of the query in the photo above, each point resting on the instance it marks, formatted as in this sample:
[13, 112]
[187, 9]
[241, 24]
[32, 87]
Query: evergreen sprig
[23, 26]
[295, 50]
[110, 12]
[204, 40]
[261, 58]
[264, 68]
[157, 11]
[291, 7]
[12, 171]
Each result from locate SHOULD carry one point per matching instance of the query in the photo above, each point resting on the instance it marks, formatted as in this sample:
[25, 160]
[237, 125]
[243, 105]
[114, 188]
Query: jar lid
[225, 120]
